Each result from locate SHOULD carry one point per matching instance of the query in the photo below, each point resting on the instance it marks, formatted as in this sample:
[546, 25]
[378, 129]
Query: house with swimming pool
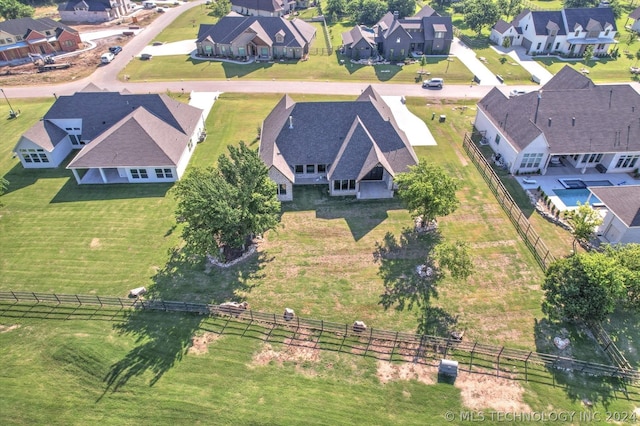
[570, 122]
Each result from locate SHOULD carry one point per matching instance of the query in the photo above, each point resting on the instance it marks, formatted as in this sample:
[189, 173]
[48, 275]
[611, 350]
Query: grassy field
[185, 26]
[59, 237]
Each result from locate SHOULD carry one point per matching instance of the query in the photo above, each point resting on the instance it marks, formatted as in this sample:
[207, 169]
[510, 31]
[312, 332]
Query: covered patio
[99, 176]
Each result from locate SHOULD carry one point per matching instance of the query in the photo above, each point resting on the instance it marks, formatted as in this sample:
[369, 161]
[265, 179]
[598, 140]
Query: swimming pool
[581, 184]
[571, 197]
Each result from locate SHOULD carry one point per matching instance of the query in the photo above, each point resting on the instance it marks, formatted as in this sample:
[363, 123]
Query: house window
[627, 161]
[538, 47]
[526, 28]
[75, 139]
[264, 51]
[2, 41]
[531, 161]
[18, 38]
[322, 168]
[34, 156]
[190, 145]
[299, 169]
[398, 40]
[497, 139]
[591, 158]
[577, 33]
[241, 51]
[282, 189]
[548, 46]
[68, 43]
[344, 185]
[600, 46]
[9, 40]
[164, 173]
[139, 174]
[311, 168]
[439, 35]
[557, 45]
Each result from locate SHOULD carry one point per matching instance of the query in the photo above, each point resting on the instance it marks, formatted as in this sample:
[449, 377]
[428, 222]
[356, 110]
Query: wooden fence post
[526, 365]
[498, 369]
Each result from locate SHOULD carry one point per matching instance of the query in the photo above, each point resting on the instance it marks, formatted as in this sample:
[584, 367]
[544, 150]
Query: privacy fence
[519, 220]
[325, 335]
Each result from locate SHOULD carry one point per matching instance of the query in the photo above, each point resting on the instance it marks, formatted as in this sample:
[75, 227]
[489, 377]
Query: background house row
[92, 11]
[425, 33]
[567, 31]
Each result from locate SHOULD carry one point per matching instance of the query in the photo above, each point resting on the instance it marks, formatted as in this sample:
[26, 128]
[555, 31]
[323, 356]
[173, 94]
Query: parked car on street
[107, 57]
[115, 49]
[146, 56]
[433, 82]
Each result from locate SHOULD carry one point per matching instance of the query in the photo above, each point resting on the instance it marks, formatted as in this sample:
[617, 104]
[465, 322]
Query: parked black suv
[115, 49]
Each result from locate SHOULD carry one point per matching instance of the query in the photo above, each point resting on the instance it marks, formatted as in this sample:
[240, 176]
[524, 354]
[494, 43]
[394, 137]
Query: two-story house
[91, 11]
[24, 37]
[425, 33]
[567, 31]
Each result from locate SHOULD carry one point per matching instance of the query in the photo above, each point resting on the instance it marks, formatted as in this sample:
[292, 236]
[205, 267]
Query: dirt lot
[81, 65]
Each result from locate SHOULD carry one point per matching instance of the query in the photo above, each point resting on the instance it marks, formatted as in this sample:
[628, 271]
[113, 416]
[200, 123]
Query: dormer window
[280, 37]
[577, 33]
[606, 33]
[398, 40]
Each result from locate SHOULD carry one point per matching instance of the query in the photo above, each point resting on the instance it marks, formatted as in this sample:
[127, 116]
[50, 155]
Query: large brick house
[23, 37]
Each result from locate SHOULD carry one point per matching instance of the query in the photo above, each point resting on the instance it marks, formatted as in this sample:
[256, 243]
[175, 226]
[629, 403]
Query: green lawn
[185, 26]
[132, 368]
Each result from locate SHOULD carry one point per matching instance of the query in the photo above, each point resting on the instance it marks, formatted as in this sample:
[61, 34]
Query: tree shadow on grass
[404, 288]
[163, 338]
[578, 386]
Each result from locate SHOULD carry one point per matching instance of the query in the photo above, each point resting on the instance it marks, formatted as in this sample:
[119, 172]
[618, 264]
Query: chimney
[535, 118]
[395, 14]
[573, 121]
[291, 122]
[549, 121]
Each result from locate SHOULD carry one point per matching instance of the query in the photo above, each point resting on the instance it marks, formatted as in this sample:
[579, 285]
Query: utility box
[448, 368]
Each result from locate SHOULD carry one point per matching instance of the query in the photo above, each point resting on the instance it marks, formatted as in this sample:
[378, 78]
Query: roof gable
[45, 134]
[589, 19]
[623, 201]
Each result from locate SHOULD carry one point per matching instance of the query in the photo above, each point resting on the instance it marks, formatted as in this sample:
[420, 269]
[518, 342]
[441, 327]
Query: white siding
[281, 179]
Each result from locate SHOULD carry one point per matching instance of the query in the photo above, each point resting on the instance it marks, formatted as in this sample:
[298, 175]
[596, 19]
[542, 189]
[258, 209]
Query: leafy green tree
[631, 38]
[220, 8]
[506, 42]
[339, 7]
[428, 191]
[480, 13]
[13, 9]
[637, 56]
[224, 207]
[509, 8]
[588, 53]
[584, 220]
[628, 258]
[583, 287]
[580, 3]
[367, 12]
[423, 63]
[456, 258]
[403, 7]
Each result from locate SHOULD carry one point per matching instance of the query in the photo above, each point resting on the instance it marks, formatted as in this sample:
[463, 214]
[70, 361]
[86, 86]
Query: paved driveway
[183, 47]
[417, 132]
[468, 57]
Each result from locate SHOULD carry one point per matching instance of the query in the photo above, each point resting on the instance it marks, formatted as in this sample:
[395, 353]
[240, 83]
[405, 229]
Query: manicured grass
[503, 65]
[185, 26]
[59, 237]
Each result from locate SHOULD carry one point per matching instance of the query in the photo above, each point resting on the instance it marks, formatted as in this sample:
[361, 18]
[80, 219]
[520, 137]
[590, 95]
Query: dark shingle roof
[568, 78]
[586, 17]
[297, 32]
[321, 129]
[22, 26]
[541, 21]
[571, 118]
[90, 5]
[45, 134]
[502, 26]
[358, 34]
[101, 110]
[635, 14]
[138, 140]
[266, 5]
[426, 11]
[623, 201]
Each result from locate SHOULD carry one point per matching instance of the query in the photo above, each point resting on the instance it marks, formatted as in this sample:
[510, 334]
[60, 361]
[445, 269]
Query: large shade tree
[428, 191]
[584, 221]
[583, 287]
[224, 206]
[13, 9]
[480, 13]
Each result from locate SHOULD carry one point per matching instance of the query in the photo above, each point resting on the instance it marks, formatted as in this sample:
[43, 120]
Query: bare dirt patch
[200, 344]
[295, 351]
[481, 391]
[8, 328]
[388, 371]
[95, 243]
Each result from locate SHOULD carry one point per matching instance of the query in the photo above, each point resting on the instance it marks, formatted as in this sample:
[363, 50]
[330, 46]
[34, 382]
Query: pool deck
[551, 181]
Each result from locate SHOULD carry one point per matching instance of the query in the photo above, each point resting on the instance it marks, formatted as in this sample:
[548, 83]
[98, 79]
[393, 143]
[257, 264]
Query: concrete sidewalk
[468, 57]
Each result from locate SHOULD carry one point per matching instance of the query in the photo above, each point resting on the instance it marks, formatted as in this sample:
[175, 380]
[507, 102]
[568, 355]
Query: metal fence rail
[326, 335]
